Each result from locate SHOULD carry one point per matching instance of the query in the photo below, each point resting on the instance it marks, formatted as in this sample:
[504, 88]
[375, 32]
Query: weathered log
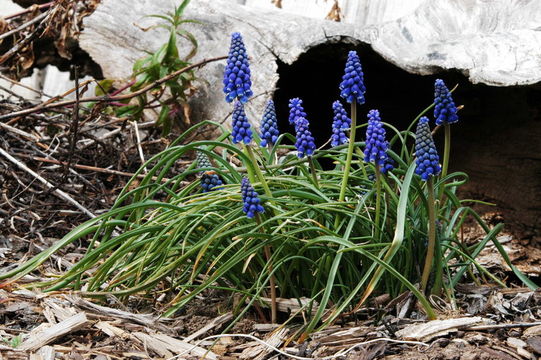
[268, 34]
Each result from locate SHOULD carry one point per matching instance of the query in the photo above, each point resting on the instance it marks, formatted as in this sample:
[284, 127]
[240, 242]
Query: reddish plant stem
[28, 10]
[108, 98]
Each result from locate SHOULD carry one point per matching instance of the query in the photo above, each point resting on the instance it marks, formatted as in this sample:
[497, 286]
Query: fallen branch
[502, 326]
[89, 168]
[24, 26]
[28, 10]
[61, 194]
[108, 98]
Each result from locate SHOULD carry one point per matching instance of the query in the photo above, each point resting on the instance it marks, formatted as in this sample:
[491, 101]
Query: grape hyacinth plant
[296, 110]
[427, 166]
[376, 144]
[269, 126]
[427, 158]
[341, 124]
[237, 82]
[352, 87]
[210, 181]
[445, 112]
[305, 144]
[337, 236]
[241, 129]
[250, 199]
[202, 159]
[375, 151]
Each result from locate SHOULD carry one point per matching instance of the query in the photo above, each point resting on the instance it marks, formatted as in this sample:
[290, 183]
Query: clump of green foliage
[332, 236]
[171, 97]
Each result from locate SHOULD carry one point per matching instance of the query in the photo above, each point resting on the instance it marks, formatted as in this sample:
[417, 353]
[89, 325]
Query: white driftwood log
[492, 42]
[495, 42]
[115, 42]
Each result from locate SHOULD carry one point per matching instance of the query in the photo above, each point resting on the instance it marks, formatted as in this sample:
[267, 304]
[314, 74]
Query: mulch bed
[92, 161]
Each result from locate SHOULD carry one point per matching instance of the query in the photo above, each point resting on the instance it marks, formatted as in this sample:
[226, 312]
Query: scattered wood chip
[535, 344]
[143, 319]
[533, 331]
[45, 353]
[259, 351]
[292, 305]
[45, 337]
[520, 347]
[435, 328]
[216, 323]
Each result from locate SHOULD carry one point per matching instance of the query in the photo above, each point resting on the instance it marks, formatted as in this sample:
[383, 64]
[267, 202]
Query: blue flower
[340, 124]
[237, 83]
[352, 85]
[269, 125]
[305, 143]
[376, 145]
[241, 126]
[444, 106]
[210, 180]
[203, 160]
[295, 110]
[427, 158]
[250, 198]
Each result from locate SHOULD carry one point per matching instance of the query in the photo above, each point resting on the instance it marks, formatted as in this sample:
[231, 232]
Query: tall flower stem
[267, 250]
[431, 234]
[313, 171]
[378, 202]
[446, 154]
[351, 146]
[446, 150]
[250, 153]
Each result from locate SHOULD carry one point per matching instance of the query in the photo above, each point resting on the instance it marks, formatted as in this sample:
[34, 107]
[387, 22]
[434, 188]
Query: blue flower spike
[445, 110]
[341, 123]
[296, 110]
[237, 83]
[376, 144]
[250, 198]
[352, 86]
[427, 158]
[241, 127]
[269, 125]
[305, 143]
[210, 181]
[202, 159]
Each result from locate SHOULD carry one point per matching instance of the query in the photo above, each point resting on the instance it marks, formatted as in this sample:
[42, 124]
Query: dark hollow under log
[496, 141]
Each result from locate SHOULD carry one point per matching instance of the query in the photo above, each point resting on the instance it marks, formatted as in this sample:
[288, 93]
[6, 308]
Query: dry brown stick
[17, 83]
[30, 9]
[23, 26]
[61, 194]
[18, 46]
[502, 326]
[19, 132]
[87, 167]
[106, 98]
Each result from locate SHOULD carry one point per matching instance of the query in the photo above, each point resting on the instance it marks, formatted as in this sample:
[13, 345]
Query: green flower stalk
[376, 152]
[428, 166]
[352, 89]
[252, 208]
